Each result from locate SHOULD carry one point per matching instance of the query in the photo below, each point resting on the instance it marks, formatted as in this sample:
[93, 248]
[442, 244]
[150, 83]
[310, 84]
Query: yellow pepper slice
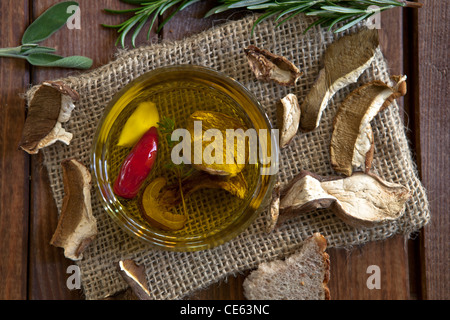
[143, 118]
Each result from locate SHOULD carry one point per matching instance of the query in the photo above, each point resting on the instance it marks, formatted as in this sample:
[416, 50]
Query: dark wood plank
[411, 104]
[433, 118]
[14, 163]
[227, 289]
[48, 266]
[351, 269]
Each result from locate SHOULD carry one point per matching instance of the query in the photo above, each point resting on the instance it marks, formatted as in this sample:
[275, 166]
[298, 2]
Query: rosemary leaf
[147, 10]
[328, 12]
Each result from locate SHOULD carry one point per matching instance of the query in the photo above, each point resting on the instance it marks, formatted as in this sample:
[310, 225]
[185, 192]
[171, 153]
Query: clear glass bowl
[215, 216]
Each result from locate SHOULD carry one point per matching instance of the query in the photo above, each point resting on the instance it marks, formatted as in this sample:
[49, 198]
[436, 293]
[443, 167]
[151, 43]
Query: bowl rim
[133, 228]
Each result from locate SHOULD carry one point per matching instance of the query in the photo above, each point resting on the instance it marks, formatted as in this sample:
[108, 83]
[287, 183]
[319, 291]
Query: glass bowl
[214, 216]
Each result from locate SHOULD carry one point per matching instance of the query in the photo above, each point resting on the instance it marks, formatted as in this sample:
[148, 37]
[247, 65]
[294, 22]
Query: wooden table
[415, 42]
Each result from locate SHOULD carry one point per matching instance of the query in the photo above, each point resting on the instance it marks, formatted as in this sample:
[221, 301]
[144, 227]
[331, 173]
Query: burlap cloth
[174, 275]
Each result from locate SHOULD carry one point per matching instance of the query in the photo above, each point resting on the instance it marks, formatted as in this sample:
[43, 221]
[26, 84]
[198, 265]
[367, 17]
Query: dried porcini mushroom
[135, 277]
[302, 194]
[400, 90]
[155, 212]
[362, 200]
[50, 106]
[77, 227]
[235, 185]
[270, 67]
[352, 138]
[221, 163]
[364, 149]
[274, 208]
[288, 117]
[344, 61]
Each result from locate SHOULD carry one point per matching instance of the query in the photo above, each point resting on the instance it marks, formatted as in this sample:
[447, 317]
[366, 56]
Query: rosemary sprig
[328, 12]
[148, 9]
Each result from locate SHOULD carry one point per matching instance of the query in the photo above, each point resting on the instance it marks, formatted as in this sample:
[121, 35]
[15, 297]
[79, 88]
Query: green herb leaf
[166, 127]
[148, 10]
[48, 23]
[180, 171]
[44, 59]
[37, 49]
[328, 12]
[42, 28]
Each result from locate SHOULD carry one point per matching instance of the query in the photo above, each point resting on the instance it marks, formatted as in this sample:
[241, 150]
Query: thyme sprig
[327, 12]
[180, 171]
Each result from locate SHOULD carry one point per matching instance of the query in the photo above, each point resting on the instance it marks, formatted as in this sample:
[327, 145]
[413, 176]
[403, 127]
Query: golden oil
[177, 95]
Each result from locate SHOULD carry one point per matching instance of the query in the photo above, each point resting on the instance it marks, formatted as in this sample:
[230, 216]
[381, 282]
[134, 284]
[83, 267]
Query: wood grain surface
[415, 42]
[14, 166]
[433, 141]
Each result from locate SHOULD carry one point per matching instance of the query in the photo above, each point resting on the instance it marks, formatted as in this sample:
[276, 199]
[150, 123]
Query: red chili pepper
[137, 165]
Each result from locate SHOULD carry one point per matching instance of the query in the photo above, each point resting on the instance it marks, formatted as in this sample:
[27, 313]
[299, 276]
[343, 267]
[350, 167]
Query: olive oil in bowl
[213, 215]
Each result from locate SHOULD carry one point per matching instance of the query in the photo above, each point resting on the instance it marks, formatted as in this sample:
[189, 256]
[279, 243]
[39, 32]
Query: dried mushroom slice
[50, 106]
[365, 200]
[344, 61]
[226, 161]
[274, 208]
[135, 277]
[302, 194]
[155, 212]
[364, 149]
[362, 200]
[288, 117]
[270, 67]
[235, 185]
[351, 144]
[77, 227]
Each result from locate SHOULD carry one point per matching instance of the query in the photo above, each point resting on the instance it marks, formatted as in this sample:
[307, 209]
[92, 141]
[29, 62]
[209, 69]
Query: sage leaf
[52, 60]
[48, 23]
